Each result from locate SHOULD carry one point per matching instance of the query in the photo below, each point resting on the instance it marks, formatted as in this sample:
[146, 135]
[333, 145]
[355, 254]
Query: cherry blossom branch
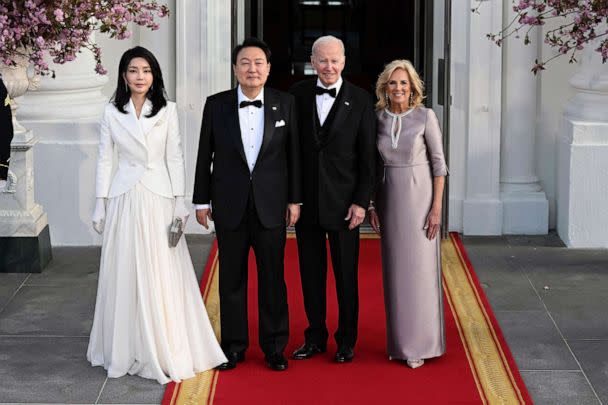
[62, 28]
[582, 18]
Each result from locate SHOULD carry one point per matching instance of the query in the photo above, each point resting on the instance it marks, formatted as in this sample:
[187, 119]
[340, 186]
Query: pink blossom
[118, 9]
[58, 15]
[100, 69]
[62, 28]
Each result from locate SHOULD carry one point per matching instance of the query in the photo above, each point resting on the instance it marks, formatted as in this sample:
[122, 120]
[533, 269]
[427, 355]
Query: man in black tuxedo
[337, 133]
[6, 133]
[250, 137]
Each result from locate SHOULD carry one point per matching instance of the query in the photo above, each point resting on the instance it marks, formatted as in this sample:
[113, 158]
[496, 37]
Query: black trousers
[312, 253]
[269, 248]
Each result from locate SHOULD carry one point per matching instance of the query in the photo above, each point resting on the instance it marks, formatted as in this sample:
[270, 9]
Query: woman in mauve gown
[407, 215]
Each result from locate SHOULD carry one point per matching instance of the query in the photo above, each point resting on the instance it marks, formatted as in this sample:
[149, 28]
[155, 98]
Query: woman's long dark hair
[156, 94]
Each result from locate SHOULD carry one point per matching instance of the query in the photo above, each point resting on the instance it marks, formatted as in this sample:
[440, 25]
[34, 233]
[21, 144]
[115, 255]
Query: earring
[126, 87]
[152, 87]
[411, 99]
[388, 100]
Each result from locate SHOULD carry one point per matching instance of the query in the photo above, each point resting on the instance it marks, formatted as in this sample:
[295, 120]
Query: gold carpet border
[491, 327]
[212, 270]
[493, 378]
[486, 357]
[464, 344]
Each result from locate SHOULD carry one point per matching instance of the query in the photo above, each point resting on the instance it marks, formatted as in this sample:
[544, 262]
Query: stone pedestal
[25, 245]
[582, 173]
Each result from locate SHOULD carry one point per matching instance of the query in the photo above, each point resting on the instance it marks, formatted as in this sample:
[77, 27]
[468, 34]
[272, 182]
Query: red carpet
[461, 376]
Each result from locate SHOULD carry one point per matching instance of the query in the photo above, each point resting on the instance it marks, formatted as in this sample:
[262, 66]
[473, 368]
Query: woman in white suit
[150, 319]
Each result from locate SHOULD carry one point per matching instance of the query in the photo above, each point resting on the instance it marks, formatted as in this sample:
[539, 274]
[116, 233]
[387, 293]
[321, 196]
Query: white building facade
[527, 153]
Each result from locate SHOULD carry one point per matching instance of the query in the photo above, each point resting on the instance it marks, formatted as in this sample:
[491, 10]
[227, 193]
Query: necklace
[396, 122]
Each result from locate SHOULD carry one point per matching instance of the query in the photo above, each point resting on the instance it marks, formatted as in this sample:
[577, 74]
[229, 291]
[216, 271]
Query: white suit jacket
[149, 151]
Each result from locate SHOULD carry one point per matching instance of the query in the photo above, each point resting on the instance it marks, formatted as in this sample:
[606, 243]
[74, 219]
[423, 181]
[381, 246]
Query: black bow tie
[320, 90]
[255, 103]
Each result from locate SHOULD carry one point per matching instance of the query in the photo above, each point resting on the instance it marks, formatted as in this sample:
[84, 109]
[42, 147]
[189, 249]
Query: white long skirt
[150, 319]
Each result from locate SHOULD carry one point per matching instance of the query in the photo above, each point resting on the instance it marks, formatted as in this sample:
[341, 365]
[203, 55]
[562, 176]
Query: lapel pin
[274, 107]
[347, 103]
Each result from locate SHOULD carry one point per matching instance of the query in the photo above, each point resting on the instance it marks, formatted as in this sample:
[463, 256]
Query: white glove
[180, 210]
[99, 215]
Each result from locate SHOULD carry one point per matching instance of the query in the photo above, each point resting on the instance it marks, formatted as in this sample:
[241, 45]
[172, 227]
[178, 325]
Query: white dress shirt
[251, 122]
[325, 101]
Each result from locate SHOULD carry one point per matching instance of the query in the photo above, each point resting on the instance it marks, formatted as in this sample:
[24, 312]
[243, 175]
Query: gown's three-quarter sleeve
[434, 144]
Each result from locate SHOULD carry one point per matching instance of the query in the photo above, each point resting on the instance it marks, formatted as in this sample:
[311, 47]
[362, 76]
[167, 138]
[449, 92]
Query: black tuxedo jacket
[222, 176]
[338, 170]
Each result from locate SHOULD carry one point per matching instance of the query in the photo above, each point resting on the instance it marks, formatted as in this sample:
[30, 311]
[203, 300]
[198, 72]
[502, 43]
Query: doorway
[374, 33]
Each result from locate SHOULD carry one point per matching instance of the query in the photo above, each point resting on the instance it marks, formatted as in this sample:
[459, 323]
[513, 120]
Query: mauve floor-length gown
[411, 264]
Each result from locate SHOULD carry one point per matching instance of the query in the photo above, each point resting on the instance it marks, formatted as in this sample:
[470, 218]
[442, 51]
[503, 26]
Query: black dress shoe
[276, 361]
[233, 358]
[344, 354]
[307, 350]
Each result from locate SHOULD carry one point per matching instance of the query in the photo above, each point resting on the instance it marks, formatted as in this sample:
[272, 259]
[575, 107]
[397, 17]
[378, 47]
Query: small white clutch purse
[175, 232]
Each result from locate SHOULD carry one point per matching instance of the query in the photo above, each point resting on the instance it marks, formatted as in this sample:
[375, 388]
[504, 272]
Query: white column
[482, 208]
[459, 72]
[582, 172]
[64, 113]
[204, 33]
[525, 205]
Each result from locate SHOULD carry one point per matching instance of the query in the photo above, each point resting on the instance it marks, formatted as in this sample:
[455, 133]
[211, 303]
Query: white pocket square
[279, 124]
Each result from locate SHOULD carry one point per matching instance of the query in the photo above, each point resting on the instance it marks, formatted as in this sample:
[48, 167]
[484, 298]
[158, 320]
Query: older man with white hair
[337, 135]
